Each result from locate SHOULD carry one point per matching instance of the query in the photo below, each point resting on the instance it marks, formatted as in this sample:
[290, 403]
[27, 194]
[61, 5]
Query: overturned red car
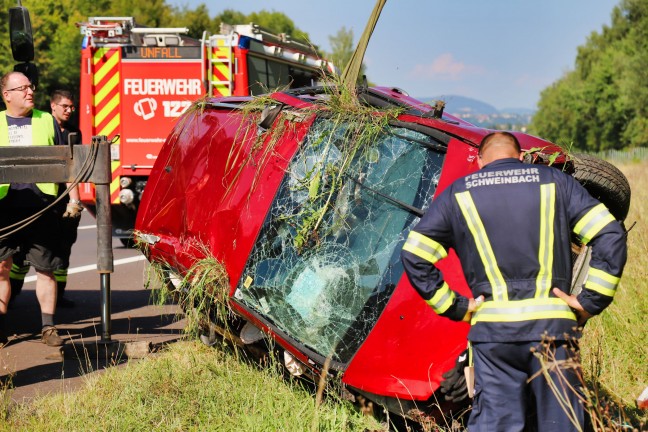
[307, 212]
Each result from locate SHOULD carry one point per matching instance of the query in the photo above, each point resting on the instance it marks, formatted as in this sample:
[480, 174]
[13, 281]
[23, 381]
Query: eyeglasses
[23, 88]
[67, 107]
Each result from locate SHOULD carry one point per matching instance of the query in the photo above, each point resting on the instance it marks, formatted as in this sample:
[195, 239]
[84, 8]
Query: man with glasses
[62, 108]
[22, 125]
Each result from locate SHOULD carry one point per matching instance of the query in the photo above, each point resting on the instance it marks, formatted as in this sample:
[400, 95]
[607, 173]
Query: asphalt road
[33, 368]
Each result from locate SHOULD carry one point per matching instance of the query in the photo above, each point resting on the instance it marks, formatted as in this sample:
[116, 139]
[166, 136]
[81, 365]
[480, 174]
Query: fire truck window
[302, 78]
[277, 75]
[257, 75]
[266, 75]
[329, 294]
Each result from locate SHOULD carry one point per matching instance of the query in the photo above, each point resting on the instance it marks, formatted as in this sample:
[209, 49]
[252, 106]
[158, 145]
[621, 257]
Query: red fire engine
[136, 82]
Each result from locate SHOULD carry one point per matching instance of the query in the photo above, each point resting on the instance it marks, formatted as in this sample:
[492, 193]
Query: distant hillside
[464, 105]
[482, 114]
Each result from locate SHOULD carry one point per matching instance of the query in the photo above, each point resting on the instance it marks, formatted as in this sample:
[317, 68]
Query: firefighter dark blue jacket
[510, 224]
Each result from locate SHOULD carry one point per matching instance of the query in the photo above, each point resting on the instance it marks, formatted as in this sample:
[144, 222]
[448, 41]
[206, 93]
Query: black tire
[127, 242]
[605, 182]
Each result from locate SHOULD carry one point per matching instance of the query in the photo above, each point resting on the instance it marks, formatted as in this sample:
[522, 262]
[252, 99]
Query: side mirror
[20, 33]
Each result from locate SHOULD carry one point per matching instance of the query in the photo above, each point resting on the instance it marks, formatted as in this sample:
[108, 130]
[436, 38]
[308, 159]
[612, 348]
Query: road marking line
[94, 266]
[87, 227]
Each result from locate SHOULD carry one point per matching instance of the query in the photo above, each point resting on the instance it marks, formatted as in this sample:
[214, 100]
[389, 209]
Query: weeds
[202, 294]
[566, 379]
[187, 387]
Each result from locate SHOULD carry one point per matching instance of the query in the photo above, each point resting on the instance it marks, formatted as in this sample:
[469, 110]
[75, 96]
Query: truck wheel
[605, 182]
[127, 242]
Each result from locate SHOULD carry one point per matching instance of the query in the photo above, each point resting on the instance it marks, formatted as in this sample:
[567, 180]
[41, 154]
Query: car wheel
[605, 182]
[208, 337]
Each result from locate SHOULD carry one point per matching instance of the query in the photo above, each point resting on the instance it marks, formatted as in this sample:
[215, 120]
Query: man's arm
[427, 244]
[74, 207]
[595, 226]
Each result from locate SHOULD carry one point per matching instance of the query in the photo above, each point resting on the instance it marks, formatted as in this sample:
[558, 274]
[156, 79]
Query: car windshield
[328, 294]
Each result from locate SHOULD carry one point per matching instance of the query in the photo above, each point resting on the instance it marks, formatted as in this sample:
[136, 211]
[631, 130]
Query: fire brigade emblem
[145, 108]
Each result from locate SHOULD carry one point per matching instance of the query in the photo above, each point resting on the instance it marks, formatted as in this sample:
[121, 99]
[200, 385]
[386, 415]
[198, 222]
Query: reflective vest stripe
[424, 247]
[593, 222]
[602, 282]
[17, 272]
[483, 245]
[42, 134]
[61, 275]
[545, 250]
[442, 299]
[523, 310]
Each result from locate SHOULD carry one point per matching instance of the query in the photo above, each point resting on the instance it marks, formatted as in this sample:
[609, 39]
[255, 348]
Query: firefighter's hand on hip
[581, 314]
[73, 210]
[473, 305]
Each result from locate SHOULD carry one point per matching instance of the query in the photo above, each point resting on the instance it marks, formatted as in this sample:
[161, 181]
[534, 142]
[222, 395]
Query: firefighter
[510, 225]
[62, 108]
[22, 125]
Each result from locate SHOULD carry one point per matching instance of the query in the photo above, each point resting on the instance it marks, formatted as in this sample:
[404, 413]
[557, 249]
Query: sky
[502, 52]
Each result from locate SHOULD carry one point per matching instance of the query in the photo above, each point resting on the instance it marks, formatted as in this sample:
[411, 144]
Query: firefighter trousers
[512, 392]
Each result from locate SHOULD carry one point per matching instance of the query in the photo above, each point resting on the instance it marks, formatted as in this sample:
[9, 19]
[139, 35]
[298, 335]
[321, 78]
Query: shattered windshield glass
[328, 290]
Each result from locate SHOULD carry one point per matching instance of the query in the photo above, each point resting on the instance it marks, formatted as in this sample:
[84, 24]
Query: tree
[196, 20]
[278, 22]
[57, 39]
[342, 48]
[601, 103]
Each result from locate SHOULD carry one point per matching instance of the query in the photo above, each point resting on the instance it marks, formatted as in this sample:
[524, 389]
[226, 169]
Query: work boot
[50, 337]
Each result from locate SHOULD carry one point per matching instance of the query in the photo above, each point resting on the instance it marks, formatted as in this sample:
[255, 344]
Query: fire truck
[136, 81]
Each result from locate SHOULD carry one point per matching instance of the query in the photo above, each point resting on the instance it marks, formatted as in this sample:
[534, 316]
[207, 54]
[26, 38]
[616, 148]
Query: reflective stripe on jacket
[511, 225]
[43, 133]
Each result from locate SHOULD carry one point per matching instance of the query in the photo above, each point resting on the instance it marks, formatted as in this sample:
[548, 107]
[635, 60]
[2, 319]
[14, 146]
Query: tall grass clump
[202, 293]
[614, 349]
[188, 387]
[613, 369]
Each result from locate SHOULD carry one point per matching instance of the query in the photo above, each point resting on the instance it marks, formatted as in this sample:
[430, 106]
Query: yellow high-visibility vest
[42, 134]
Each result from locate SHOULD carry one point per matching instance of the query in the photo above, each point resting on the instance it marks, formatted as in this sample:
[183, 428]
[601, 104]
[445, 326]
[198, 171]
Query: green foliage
[342, 47]
[600, 105]
[188, 387]
[196, 20]
[615, 358]
[57, 39]
[203, 292]
[278, 22]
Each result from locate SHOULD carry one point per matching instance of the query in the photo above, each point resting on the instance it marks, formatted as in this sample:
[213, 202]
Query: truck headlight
[124, 182]
[126, 196]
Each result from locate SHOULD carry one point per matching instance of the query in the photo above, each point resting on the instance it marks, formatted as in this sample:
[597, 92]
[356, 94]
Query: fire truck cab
[137, 81]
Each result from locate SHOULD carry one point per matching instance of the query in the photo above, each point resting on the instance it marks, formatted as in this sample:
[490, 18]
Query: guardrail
[636, 154]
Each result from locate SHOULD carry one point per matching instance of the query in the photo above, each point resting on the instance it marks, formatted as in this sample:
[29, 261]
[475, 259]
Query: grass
[615, 353]
[192, 387]
[188, 387]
